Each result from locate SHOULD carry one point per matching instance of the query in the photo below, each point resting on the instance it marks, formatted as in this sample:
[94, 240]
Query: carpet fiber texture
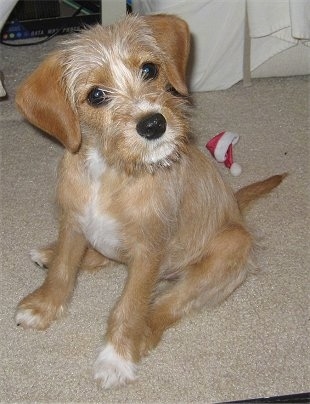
[255, 344]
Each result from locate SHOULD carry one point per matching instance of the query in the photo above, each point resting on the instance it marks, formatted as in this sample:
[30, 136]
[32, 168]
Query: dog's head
[120, 89]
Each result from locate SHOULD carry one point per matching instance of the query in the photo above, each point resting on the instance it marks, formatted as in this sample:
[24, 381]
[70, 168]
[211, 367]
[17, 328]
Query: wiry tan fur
[158, 206]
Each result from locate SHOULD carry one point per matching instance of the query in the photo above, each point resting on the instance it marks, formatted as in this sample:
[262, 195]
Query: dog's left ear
[43, 101]
[173, 36]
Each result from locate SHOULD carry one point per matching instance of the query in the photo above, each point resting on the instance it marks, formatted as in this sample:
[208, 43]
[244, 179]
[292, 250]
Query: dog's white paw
[36, 314]
[112, 370]
[37, 257]
[27, 318]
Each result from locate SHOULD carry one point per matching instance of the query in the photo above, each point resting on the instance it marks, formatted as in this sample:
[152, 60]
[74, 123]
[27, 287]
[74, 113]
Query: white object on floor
[276, 26]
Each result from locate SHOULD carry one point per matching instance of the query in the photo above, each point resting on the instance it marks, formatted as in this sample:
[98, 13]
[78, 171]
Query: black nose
[152, 126]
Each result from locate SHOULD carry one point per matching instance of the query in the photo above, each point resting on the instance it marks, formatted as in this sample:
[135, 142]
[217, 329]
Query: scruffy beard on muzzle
[133, 160]
[118, 140]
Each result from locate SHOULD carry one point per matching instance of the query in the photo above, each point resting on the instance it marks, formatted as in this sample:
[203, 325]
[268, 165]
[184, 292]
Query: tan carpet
[255, 344]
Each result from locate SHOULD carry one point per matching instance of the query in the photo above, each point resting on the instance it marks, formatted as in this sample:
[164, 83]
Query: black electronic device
[44, 18]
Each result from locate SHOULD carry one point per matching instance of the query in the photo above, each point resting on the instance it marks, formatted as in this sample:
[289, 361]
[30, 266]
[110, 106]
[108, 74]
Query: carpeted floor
[255, 344]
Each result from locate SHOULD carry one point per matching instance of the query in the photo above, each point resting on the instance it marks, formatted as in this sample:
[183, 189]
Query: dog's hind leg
[91, 261]
[205, 283]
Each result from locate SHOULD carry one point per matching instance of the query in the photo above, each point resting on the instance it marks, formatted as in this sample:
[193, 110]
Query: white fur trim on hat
[223, 143]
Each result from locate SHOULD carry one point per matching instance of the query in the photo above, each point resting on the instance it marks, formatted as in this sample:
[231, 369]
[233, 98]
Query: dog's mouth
[161, 150]
[160, 153]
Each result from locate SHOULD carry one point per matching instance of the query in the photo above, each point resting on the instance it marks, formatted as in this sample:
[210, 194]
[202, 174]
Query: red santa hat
[220, 146]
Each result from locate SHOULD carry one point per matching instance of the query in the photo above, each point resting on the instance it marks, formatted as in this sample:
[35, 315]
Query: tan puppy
[132, 188]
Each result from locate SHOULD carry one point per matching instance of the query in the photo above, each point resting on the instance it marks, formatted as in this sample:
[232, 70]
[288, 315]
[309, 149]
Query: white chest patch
[100, 229]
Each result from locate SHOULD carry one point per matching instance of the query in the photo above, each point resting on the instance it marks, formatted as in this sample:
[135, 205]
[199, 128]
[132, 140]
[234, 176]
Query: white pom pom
[235, 169]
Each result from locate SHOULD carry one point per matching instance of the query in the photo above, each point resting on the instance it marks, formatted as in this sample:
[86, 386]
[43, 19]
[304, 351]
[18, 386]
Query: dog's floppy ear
[173, 36]
[42, 99]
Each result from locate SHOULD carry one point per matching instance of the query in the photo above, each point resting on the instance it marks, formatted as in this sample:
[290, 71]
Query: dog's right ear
[42, 99]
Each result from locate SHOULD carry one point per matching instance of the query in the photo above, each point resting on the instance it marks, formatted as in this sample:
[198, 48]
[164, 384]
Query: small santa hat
[220, 146]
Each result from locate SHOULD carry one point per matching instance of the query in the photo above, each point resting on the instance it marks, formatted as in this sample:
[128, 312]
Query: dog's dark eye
[172, 90]
[97, 97]
[149, 71]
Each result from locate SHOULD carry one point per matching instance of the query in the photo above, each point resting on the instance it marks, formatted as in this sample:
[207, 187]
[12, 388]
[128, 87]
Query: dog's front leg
[45, 304]
[117, 362]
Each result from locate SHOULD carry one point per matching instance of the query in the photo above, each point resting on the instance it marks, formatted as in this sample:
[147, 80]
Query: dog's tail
[245, 196]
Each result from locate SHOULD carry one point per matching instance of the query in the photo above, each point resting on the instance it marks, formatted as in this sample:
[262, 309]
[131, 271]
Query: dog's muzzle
[152, 126]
